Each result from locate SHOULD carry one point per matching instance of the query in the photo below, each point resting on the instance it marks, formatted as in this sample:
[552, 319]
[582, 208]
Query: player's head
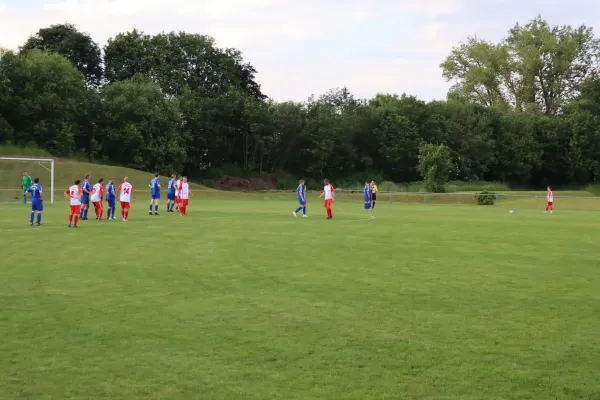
[184, 178]
[100, 180]
[156, 176]
[372, 182]
[87, 177]
[36, 180]
[301, 182]
[25, 173]
[366, 181]
[173, 176]
[326, 181]
[126, 179]
[548, 188]
[77, 181]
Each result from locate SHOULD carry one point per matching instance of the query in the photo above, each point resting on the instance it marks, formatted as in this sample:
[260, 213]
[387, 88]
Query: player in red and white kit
[178, 193]
[96, 197]
[126, 190]
[329, 193]
[184, 196]
[549, 201]
[74, 194]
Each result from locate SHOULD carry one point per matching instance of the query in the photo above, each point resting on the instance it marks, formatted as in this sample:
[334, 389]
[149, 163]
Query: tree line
[524, 111]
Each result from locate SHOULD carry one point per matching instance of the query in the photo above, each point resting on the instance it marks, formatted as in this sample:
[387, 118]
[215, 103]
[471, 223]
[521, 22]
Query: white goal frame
[40, 160]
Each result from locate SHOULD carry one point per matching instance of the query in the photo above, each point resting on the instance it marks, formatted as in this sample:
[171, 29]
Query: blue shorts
[85, 200]
[302, 202]
[37, 206]
[155, 196]
[111, 202]
[171, 196]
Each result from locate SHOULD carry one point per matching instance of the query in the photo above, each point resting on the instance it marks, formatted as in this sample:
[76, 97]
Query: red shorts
[177, 199]
[184, 202]
[97, 204]
[328, 203]
[75, 210]
[125, 205]
[549, 204]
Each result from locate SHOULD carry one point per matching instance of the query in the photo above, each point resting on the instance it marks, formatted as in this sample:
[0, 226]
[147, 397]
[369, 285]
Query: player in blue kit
[367, 195]
[111, 197]
[37, 203]
[86, 188]
[301, 193]
[155, 195]
[171, 193]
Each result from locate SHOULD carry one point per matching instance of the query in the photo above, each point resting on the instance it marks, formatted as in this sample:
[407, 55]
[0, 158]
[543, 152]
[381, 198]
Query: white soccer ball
[511, 211]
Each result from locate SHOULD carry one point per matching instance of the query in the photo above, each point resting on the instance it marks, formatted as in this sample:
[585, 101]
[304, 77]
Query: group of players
[81, 194]
[370, 197]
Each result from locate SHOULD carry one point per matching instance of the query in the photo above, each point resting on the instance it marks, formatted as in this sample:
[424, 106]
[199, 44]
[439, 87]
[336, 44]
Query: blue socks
[298, 210]
[32, 216]
[156, 208]
[110, 213]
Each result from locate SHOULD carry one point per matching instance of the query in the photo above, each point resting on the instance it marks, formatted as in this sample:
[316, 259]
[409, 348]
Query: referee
[373, 194]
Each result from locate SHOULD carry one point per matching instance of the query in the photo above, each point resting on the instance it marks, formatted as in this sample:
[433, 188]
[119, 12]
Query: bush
[485, 198]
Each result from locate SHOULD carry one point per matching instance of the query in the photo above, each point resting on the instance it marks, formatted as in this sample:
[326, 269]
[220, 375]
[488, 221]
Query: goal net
[11, 177]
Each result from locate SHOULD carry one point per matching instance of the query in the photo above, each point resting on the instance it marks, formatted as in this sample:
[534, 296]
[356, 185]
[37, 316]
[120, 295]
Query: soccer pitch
[240, 300]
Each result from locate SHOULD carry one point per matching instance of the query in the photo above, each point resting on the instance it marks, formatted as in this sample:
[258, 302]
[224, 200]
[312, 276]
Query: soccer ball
[511, 211]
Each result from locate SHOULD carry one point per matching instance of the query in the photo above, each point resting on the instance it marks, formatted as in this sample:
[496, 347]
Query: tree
[76, 46]
[142, 128]
[179, 60]
[46, 93]
[538, 67]
[435, 166]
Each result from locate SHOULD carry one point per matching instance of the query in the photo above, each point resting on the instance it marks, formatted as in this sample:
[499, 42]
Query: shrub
[485, 198]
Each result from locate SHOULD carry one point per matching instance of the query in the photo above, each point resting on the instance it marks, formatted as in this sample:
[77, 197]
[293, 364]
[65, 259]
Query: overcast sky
[306, 47]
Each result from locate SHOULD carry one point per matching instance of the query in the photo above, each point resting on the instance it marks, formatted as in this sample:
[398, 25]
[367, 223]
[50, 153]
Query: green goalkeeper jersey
[26, 182]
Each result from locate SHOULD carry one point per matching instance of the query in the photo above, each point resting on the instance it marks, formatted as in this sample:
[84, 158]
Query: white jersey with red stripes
[126, 190]
[97, 192]
[550, 196]
[328, 190]
[75, 193]
[184, 192]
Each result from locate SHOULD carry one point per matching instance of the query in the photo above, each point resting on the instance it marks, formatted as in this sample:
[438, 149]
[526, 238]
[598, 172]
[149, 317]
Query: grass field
[241, 300]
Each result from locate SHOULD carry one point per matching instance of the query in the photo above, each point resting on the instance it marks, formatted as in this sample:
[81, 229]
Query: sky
[306, 47]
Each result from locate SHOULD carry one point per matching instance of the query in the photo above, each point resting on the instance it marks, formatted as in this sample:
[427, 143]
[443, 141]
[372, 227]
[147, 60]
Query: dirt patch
[262, 183]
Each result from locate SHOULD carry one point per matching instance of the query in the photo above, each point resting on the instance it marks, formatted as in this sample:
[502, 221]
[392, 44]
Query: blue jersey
[86, 185]
[154, 186]
[171, 187]
[110, 192]
[36, 192]
[300, 191]
[367, 191]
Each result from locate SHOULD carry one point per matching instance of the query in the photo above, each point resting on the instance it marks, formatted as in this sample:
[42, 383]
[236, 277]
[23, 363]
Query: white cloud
[306, 47]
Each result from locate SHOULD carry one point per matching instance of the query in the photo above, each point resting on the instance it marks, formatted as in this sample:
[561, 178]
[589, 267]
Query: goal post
[11, 169]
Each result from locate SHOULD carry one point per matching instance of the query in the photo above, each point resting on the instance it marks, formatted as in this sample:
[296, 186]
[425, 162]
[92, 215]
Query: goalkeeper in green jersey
[25, 184]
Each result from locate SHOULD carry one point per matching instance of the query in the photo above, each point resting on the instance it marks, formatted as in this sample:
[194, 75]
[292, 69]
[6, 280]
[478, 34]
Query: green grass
[242, 301]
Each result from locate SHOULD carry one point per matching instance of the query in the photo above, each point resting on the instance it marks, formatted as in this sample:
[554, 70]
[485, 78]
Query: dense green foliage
[485, 198]
[525, 112]
[435, 165]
